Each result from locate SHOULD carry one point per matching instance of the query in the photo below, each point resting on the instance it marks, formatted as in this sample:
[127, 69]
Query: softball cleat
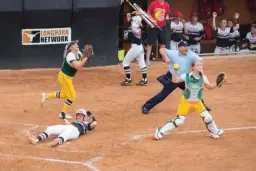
[158, 134]
[43, 98]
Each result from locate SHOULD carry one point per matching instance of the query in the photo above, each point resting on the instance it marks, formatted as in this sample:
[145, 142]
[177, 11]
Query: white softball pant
[136, 51]
[67, 132]
[195, 48]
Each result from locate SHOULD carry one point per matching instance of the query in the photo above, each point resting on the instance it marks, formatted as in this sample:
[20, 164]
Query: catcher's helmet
[81, 111]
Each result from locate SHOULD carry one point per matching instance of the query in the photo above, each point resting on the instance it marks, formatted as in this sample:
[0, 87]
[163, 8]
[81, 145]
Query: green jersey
[67, 68]
[194, 87]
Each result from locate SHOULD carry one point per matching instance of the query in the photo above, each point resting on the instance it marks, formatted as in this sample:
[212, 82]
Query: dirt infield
[114, 145]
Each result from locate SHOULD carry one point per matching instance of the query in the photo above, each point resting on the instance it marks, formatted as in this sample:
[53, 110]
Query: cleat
[158, 134]
[145, 110]
[54, 143]
[43, 98]
[218, 135]
[126, 82]
[31, 138]
[63, 115]
[142, 83]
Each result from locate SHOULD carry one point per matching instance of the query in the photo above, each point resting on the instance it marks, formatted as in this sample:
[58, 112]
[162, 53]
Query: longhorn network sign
[46, 36]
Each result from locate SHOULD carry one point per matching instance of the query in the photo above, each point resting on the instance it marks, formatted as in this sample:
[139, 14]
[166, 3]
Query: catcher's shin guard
[210, 124]
[179, 120]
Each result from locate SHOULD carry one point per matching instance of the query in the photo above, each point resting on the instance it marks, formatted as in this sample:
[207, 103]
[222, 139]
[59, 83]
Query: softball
[176, 67]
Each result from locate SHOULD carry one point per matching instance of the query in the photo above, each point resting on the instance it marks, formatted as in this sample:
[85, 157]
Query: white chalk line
[136, 137]
[86, 163]
[42, 147]
[34, 126]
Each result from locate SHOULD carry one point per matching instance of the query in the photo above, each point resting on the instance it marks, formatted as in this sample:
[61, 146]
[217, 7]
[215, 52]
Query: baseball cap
[183, 43]
[178, 14]
[193, 14]
[72, 43]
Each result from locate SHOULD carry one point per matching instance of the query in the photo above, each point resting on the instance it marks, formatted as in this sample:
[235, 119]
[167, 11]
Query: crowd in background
[226, 31]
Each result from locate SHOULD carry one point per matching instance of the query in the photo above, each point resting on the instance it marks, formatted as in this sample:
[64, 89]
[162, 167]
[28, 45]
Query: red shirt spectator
[159, 9]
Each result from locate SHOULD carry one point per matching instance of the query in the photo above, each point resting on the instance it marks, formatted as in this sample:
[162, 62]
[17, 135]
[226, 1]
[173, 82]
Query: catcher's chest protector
[194, 88]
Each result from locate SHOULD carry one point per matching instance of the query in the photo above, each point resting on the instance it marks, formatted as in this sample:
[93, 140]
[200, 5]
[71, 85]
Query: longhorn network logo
[46, 36]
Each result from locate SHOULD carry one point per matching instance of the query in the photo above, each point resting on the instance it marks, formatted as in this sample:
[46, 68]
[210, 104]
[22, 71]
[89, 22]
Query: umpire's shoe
[126, 82]
[207, 107]
[145, 110]
[142, 83]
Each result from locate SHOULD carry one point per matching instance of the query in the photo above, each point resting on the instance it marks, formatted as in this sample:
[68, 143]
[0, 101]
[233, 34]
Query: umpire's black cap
[183, 43]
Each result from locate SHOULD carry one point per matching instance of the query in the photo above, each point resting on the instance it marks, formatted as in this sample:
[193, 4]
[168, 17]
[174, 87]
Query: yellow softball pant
[67, 88]
[185, 106]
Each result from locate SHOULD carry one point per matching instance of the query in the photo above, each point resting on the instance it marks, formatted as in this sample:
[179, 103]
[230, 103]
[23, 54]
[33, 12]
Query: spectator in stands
[234, 33]
[193, 33]
[222, 35]
[177, 30]
[250, 40]
[159, 10]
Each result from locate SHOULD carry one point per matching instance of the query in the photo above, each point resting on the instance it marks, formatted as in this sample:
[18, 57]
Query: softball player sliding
[136, 50]
[72, 62]
[70, 131]
[191, 98]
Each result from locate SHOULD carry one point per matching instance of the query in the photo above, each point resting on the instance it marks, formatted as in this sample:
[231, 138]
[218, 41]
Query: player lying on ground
[191, 98]
[73, 61]
[67, 132]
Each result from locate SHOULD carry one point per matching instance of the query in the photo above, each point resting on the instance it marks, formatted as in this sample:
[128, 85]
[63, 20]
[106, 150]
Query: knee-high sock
[144, 72]
[57, 94]
[42, 136]
[127, 71]
[67, 106]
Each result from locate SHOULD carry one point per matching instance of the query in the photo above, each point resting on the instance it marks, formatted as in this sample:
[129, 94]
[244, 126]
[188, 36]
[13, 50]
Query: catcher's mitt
[221, 79]
[88, 51]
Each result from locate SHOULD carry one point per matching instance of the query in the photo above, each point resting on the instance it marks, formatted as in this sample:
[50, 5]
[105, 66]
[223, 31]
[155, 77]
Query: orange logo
[28, 36]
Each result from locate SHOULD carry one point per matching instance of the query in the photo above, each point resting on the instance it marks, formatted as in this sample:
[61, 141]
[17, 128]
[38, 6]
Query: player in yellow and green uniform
[191, 98]
[72, 62]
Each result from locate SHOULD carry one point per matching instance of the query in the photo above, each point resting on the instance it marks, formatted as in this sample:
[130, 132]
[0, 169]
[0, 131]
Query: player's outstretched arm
[210, 86]
[175, 77]
[66, 121]
[93, 124]
[79, 64]
[163, 53]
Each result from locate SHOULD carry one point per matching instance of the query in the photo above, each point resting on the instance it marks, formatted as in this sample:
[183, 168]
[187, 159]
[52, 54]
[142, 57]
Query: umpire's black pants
[169, 87]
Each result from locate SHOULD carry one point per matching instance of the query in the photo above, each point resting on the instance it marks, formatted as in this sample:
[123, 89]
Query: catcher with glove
[192, 98]
[73, 61]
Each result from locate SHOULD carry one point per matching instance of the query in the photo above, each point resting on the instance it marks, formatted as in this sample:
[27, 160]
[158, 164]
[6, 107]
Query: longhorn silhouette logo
[31, 36]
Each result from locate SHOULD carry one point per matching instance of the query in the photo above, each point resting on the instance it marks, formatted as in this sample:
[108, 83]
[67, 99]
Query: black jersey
[222, 37]
[177, 35]
[134, 33]
[234, 36]
[194, 30]
[82, 126]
